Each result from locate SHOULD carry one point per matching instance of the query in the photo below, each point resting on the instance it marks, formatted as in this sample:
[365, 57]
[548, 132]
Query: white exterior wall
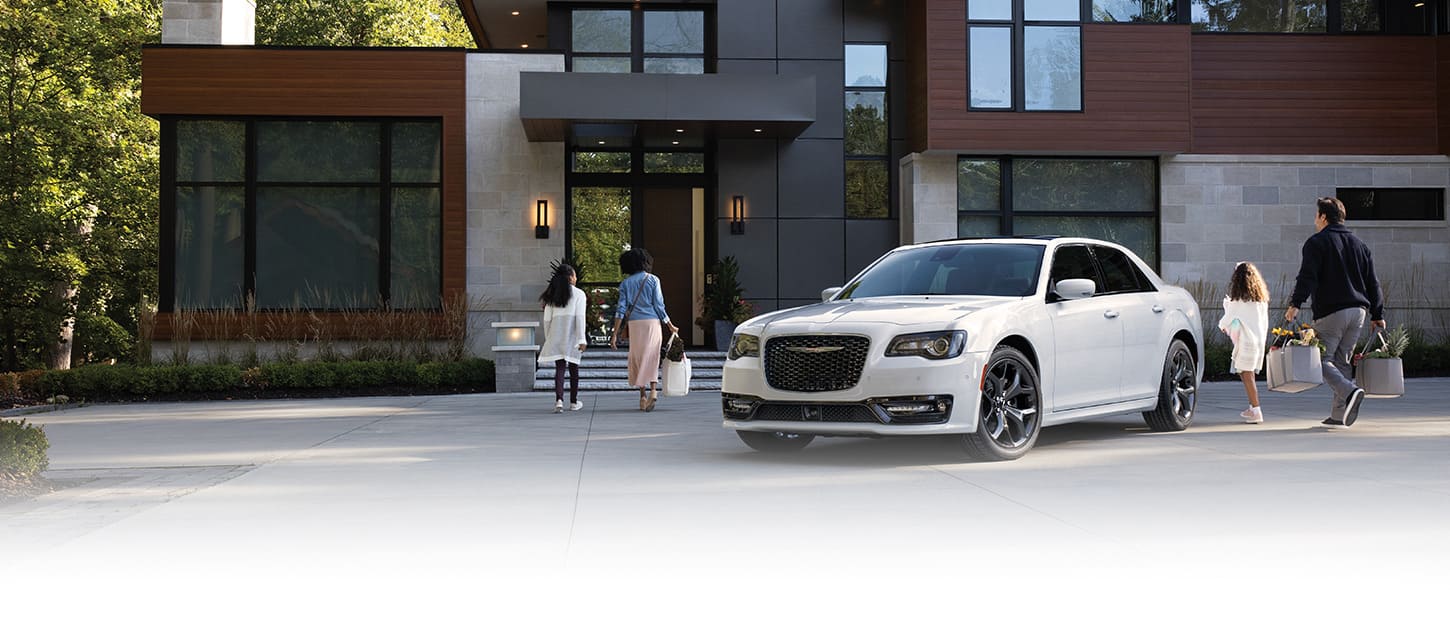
[507, 174]
[208, 22]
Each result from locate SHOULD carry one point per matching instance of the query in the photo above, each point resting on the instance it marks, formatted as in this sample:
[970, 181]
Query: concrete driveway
[450, 505]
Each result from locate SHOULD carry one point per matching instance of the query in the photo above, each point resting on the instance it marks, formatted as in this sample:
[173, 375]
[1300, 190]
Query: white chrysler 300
[986, 339]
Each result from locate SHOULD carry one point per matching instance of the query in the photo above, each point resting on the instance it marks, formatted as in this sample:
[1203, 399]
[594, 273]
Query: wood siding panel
[1316, 95]
[1135, 97]
[250, 81]
[1443, 70]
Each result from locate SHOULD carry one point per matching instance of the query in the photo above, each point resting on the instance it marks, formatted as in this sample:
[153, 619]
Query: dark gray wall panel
[746, 28]
[756, 252]
[875, 21]
[812, 257]
[830, 94]
[812, 179]
[810, 29]
[763, 306]
[867, 240]
[900, 91]
[747, 167]
[795, 303]
[899, 150]
[746, 67]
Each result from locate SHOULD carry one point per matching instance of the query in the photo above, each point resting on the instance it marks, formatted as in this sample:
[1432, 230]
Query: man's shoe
[1331, 422]
[1351, 406]
[575, 406]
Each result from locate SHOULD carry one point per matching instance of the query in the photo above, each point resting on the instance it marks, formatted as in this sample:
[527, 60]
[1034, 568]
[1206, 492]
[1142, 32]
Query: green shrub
[23, 449]
[217, 378]
[98, 338]
[9, 384]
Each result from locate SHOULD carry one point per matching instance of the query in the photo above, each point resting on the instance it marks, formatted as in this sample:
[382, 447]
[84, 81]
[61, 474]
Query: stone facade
[507, 174]
[208, 22]
[1221, 209]
[928, 197]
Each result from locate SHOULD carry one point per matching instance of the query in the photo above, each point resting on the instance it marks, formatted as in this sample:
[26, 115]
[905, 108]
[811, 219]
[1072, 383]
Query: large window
[318, 214]
[868, 140]
[1260, 15]
[1110, 199]
[1024, 55]
[631, 41]
[1137, 11]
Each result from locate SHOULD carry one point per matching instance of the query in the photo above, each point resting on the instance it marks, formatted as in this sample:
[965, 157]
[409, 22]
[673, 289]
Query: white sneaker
[558, 406]
[1252, 415]
[575, 406]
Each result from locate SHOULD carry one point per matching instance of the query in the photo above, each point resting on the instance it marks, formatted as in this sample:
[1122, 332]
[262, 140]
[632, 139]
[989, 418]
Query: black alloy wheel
[1010, 413]
[1178, 392]
[768, 441]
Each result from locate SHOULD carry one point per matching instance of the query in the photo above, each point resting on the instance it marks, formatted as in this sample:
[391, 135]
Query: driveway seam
[579, 479]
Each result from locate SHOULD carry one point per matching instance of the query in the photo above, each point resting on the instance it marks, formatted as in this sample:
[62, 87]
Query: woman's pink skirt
[645, 340]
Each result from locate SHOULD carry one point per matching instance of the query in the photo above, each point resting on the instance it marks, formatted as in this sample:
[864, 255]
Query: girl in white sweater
[1246, 321]
[564, 341]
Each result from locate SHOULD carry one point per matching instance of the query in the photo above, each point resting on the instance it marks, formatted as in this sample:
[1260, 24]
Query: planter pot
[1293, 369]
[723, 331]
[1381, 377]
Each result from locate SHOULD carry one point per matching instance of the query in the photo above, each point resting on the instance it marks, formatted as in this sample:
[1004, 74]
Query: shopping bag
[1293, 368]
[1381, 377]
[677, 377]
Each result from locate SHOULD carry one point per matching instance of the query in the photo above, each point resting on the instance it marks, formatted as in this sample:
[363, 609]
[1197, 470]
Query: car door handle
[1112, 314]
[1158, 309]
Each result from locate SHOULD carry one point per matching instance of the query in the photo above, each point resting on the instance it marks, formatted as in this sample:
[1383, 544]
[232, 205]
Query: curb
[26, 411]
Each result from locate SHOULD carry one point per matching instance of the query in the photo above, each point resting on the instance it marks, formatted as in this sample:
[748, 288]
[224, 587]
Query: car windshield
[995, 269]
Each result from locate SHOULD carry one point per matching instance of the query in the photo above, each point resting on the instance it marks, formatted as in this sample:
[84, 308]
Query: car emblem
[814, 349]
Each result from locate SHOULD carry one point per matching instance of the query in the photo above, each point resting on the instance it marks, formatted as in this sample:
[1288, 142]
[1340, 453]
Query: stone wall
[928, 197]
[507, 174]
[208, 22]
[1221, 209]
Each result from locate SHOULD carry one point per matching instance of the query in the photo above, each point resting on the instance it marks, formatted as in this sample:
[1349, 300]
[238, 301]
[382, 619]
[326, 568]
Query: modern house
[802, 137]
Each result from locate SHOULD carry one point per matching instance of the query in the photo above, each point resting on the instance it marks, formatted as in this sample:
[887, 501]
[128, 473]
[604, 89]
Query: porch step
[609, 370]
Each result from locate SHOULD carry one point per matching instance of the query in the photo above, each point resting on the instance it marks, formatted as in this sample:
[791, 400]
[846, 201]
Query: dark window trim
[169, 185]
[884, 158]
[637, 54]
[1018, 26]
[1374, 210]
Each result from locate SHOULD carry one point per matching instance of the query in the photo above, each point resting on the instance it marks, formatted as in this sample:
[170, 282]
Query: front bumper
[895, 396]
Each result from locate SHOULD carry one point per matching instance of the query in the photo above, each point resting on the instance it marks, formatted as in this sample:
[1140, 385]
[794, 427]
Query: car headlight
[930, 345]
[744, 345]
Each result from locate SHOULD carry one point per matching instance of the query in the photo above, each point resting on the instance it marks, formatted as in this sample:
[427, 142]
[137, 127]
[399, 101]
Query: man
[1338, 272]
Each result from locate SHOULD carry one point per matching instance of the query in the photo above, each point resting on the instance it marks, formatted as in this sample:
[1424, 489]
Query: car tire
[765, 441]
[1009, 413]
[1177, 391]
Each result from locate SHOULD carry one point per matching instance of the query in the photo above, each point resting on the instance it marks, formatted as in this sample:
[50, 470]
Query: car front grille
[815, 363]
[815, 413]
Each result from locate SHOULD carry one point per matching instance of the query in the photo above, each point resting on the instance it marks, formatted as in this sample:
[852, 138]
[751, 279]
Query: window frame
[884, 158]
[637, 55]
[384, 185]
[1018, 26]
[1441, 195]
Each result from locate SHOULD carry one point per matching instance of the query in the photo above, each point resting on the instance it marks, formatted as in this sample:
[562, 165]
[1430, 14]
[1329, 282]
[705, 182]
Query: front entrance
[667, 221]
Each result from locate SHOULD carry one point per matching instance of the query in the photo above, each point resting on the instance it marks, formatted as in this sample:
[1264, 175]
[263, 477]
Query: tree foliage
[362, 23]
[78, 169]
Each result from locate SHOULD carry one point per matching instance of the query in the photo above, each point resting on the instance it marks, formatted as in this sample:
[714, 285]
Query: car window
[1074, 261]
[1004, 270]
[1120, 275]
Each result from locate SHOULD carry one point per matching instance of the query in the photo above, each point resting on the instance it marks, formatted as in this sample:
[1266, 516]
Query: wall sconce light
[541, 220]
[737, 215]
[515, 334]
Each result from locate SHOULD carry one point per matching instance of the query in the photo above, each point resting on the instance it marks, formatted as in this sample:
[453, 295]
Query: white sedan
[986, 339]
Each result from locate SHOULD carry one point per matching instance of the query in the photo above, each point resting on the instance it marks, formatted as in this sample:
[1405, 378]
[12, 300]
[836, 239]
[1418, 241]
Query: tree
[363, 23]
[78, 172]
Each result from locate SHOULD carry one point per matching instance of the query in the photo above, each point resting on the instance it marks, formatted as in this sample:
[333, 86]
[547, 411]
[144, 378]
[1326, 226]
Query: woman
[564, 341]
[642, 304]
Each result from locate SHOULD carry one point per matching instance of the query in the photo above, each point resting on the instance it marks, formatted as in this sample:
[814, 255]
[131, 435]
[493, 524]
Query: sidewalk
[494, 489]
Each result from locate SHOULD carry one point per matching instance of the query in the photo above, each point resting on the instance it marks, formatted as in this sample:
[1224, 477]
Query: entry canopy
[724, 106]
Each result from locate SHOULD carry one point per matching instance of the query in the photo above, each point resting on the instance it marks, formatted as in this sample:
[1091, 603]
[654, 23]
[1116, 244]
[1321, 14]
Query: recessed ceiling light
[675, 142]
[679, 131]
[759, 130]
[526, 45]
[515, 12]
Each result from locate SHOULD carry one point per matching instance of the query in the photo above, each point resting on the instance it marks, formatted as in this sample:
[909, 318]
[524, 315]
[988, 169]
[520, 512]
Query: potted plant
[1381, 372]
[724, 304]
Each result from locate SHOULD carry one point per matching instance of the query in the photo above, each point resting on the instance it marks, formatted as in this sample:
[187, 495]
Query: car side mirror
[1075, 288]
[827, 294]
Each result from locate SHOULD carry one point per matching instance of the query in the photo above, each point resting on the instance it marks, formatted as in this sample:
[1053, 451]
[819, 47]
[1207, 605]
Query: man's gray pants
[1339, 331]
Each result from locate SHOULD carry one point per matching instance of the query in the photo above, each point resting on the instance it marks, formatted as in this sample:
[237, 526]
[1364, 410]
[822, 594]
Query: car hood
[937, 311]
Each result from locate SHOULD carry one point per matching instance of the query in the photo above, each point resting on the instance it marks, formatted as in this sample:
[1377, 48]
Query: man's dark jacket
[1338, 272]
